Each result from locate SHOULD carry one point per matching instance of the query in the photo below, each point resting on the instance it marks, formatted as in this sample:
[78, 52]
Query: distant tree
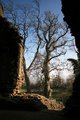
[57, 82]
[35, 72]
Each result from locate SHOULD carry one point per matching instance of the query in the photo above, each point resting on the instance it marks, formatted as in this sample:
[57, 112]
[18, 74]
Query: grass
[61, 95]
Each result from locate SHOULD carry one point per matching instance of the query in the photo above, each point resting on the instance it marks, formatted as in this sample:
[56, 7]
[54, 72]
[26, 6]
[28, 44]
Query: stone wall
[20, 77]
[1, 10]
[71, 13]
[71, 10]
[11, 58]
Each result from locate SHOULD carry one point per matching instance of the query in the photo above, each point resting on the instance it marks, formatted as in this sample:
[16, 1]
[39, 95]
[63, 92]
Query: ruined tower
[11, 57]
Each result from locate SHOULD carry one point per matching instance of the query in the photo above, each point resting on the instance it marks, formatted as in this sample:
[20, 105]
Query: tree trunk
[47, 89]
[27, 81]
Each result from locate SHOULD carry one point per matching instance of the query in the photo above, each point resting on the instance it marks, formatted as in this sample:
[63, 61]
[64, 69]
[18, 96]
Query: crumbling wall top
[1, 10]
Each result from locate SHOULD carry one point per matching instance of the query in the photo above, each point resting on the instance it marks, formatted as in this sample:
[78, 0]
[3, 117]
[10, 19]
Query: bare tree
[52, 36]
[54, 46]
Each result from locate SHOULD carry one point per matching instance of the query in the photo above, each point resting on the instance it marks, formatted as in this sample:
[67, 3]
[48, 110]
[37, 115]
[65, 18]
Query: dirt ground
[25, 115]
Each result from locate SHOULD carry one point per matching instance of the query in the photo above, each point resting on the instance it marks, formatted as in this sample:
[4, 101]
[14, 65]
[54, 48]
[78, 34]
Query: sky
[55, 7]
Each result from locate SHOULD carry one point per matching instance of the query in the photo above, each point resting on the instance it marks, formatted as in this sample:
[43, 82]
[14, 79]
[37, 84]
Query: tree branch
[55, 56]
[59, 37]
[34, 56]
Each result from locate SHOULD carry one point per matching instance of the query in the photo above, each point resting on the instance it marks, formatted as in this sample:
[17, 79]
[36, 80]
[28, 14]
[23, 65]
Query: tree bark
[47, 89]
[26, 78]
